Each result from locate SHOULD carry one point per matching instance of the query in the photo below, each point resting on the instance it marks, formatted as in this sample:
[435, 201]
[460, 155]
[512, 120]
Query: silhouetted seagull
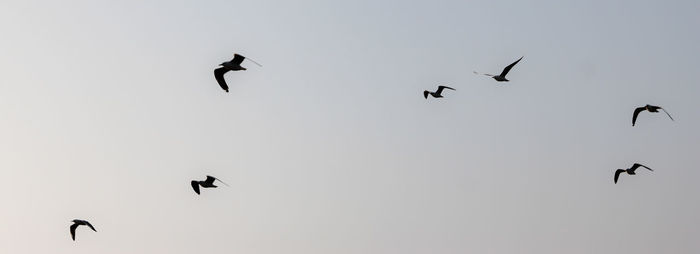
[502, 76]
[77, 223]
[209, 183]
[233, 65]
[438, 93]
[630, 171]
[650, 108]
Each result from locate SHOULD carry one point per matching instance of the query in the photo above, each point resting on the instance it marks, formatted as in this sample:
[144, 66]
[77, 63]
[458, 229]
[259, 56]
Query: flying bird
[630, 171]
[233, 65]
[77, 223]
[209, 183]
[502, 76]
[650, 108]
[438, 93]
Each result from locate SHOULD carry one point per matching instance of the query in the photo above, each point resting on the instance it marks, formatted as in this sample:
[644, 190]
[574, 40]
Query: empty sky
[109, 108]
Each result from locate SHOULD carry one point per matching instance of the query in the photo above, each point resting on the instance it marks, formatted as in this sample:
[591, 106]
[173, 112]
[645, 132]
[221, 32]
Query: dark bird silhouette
[650, 108]
[438, 93]
[77, 223]
[208, 183]
[630, 171]
[502, 76]
[233, 65]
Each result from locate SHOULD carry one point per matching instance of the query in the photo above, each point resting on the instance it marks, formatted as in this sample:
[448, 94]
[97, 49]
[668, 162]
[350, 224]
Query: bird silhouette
[630, 171]
[650, 108]
[77, 223]
[438, 93]
[233, 65]
[208, 183]
[502, 77]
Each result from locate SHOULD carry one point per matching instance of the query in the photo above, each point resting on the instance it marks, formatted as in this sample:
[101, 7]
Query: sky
[110, 108]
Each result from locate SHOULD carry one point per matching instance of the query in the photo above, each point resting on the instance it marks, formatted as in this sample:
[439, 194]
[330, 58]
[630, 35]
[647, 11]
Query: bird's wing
[222, 182]
[425, 94]
[669, 115]
[617, 174]
[72, 231]
[195, 186]
[637, 165]
[636, 113]
[256, 63]
[237, 59]
[219, 75]
[440, 88]
[507, 69]
[490, 75]
[90, 225]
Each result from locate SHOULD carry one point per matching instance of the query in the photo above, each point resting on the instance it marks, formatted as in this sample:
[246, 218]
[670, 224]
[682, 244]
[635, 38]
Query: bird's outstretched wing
[425, 94]
[195, 186]
[90, 225]
[72, 231]
[256, 63]
[222, 182]
[219, 75]
[669, 115]
[636, 113]
[617, 174]
[440, 88]
[490, 75]
[507, 69]
[637, 165]
[237, 59]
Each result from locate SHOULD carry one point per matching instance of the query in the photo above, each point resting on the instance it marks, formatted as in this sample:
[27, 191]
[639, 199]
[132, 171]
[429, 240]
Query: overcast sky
[109, 108]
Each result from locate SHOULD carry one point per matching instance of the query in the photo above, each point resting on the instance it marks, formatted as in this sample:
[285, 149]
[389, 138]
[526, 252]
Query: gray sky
[110, 108]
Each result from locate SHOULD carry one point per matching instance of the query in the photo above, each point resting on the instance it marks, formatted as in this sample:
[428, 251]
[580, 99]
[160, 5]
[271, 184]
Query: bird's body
[502, 77]
[208, 183]
[77, 223]
[438, 93]
[630, 171]
[650, 108]
[233, 65]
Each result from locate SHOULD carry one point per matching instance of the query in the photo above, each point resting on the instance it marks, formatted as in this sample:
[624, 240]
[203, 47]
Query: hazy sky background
[109, 108]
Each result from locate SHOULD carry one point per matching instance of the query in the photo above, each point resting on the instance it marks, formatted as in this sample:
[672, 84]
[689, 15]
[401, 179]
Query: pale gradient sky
[110, 108]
